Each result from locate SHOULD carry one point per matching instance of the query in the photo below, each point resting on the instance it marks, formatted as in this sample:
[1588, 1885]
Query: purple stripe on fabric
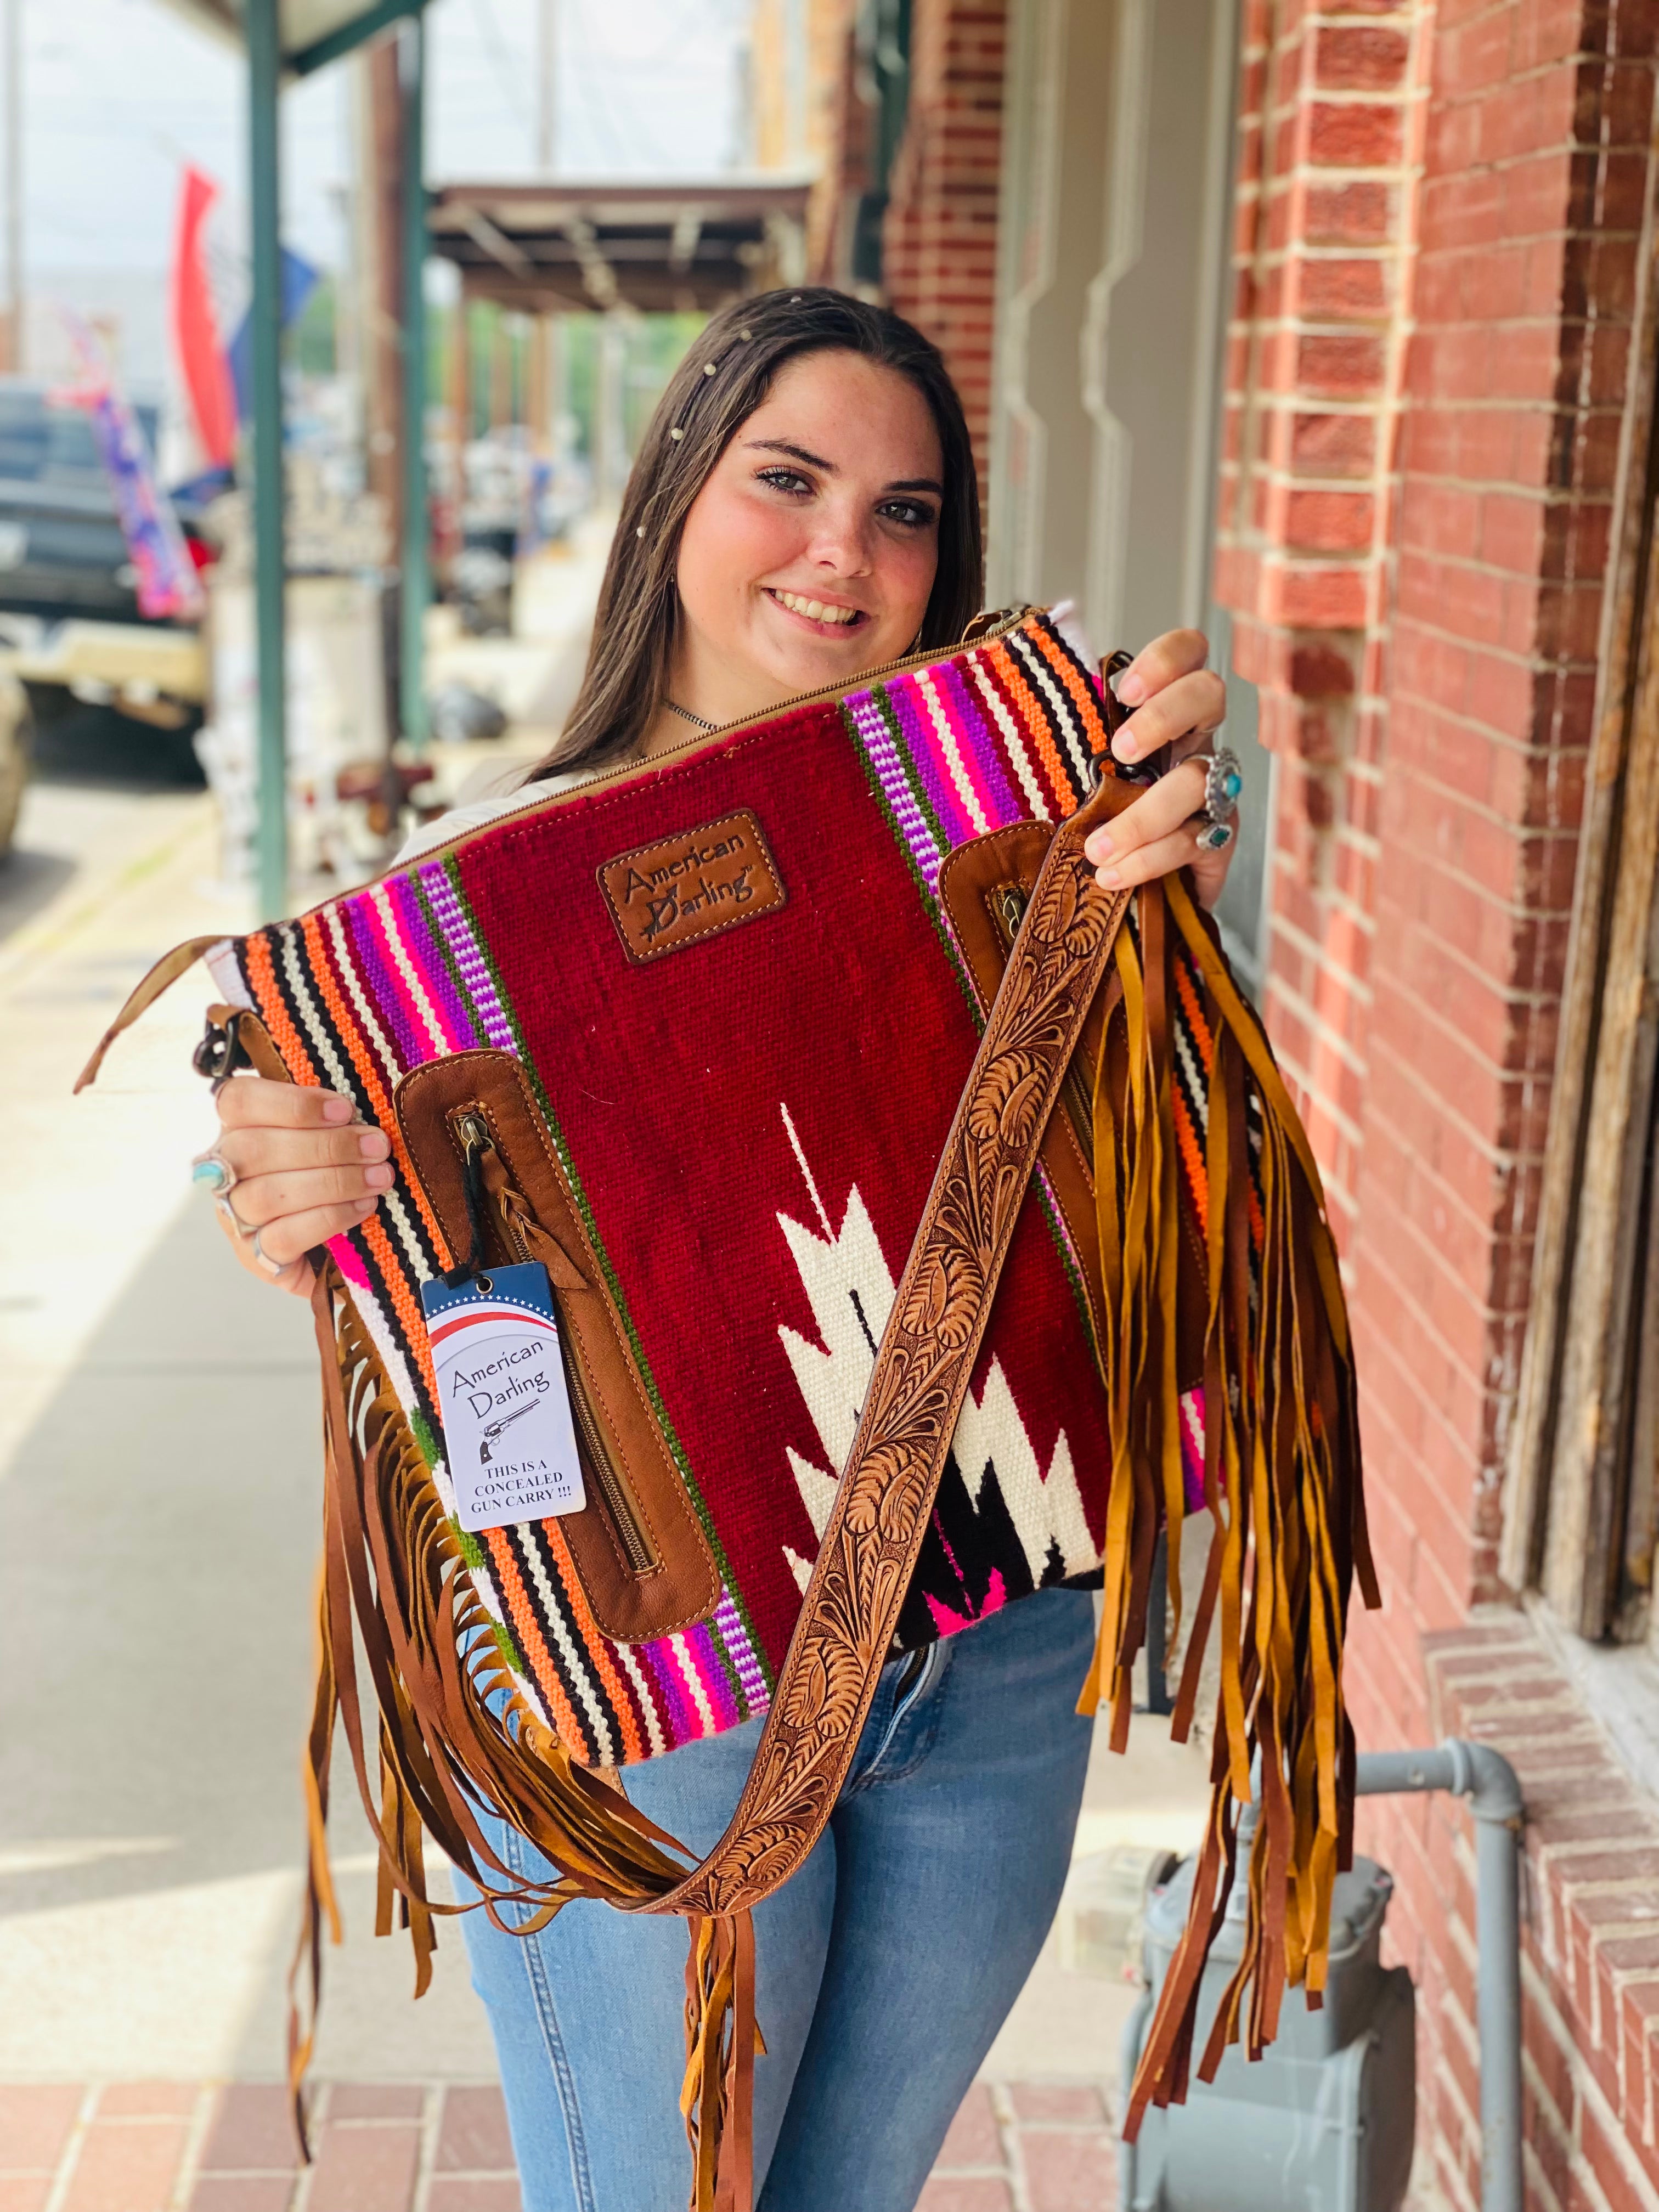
[1192, 1448]
[735, 1638]
[971, 719]
[716, 1686]
[375, 976]
[457, 926]
[917, 738]
[431, 966]
[872, 728]
[957, 752]
[682, 1722]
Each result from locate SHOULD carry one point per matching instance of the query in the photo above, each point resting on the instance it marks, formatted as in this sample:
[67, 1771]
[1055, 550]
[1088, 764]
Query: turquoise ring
[1224, 781]
[212, 1172]
[1214, 836]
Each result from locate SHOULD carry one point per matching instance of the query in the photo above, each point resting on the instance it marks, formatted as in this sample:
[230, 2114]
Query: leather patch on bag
[664, 896]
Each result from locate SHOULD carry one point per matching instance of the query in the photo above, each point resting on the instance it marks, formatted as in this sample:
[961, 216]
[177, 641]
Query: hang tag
[502, 1395]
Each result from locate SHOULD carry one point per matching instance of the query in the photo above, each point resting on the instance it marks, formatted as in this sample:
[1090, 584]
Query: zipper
[1010, 621]
[1011, 901]
[595, 1452]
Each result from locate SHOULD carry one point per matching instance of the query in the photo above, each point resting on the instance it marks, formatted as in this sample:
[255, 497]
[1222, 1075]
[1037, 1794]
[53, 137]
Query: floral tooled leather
[922, 1370]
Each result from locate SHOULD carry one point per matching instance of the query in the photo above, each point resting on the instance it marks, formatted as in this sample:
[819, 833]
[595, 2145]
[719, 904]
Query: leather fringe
[1281, 1477]
[1281, 1486]
[452, 1733]
[722, 2042]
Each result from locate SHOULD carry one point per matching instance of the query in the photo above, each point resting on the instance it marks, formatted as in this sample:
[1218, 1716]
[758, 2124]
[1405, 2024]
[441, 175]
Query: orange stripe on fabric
[404, 1304]
[1036, 726]
[1192, 1145]
[593, 1641]
[262, 975]
[510, 1583]
[1084, 697]
[1192, 1153]
[368, 1074]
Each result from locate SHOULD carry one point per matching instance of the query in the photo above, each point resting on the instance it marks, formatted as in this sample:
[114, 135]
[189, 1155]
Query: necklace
[686, 715]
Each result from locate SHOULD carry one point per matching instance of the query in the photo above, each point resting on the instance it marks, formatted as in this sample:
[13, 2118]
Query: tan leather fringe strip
[1282, 1482]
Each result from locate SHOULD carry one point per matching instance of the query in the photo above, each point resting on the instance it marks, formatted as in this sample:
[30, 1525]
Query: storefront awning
[663, 247]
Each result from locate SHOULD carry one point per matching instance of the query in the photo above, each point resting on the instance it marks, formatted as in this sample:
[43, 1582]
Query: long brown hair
[723, 378]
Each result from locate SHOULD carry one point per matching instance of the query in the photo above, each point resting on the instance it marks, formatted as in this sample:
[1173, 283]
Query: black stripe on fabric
[529, 1549]
[431, 1260]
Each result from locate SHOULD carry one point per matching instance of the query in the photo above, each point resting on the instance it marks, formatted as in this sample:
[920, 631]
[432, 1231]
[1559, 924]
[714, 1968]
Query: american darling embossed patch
[666, 895]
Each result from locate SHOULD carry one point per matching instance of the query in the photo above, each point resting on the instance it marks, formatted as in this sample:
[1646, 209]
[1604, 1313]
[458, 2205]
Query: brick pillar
[1534, 185]
[1429, 364]
[939, 240]
[1329, 111]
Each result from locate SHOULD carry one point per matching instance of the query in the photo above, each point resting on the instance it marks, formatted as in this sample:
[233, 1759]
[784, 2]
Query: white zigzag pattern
[850, 1290]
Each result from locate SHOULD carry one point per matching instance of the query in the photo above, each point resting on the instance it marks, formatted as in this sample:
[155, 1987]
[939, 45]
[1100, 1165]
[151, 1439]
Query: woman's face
[809, 554]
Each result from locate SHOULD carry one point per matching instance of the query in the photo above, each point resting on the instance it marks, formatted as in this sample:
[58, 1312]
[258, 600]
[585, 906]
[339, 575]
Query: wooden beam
[1570, 1423]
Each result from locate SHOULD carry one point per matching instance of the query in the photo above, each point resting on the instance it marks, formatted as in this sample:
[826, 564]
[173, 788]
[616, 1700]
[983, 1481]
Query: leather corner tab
[166, 972]
[671, 893]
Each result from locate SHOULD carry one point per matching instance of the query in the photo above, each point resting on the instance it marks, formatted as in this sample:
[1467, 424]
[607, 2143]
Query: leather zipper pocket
[514, 1237]
[637, 1545]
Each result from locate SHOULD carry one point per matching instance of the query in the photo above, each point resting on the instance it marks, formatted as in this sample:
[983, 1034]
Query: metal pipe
[412, 554]
[1486, 1778]
[18, 333]
[265, 337]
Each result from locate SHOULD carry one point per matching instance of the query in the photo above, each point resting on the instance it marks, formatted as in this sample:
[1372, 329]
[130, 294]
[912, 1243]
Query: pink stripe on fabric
[999, 788]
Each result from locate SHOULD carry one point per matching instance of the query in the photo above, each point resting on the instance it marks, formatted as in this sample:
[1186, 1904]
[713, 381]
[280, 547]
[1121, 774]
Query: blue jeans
[885, 1966]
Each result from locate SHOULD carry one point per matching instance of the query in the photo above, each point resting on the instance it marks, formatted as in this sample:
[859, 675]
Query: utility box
[1323, 2120]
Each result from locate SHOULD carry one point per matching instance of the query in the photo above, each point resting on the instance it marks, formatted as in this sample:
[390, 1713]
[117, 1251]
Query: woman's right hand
[305, 1171]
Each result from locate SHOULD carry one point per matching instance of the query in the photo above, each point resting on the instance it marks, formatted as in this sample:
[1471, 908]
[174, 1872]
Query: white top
[476, 812]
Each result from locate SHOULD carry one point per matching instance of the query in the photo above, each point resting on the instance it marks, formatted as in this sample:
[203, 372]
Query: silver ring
[1214, 836]
[212, 1172]
[1224, 781]
[272, 1267]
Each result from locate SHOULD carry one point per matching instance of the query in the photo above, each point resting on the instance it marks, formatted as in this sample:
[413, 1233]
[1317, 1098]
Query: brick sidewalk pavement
[173, 2147]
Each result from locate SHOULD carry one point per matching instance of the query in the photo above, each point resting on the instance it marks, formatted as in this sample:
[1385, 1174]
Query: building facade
[1335, 330]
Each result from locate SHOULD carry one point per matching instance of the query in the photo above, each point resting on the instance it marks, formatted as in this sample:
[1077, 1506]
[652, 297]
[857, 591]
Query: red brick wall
[1330, 119]
[1427, 372]
[1590, 1966]
[939, 241]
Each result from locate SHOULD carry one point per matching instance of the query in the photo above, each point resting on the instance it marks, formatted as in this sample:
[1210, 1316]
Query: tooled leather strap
[940, 1312]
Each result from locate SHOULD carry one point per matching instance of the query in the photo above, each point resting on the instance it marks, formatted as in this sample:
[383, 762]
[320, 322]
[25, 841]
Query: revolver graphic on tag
[489, 1436]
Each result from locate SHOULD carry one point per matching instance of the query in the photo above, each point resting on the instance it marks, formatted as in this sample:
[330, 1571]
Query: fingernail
[366, 1207]
[1096, 847]
[1110, 879]
[1126, 749]
[336, 1109]
[1132, 689]
[374, 1144]
[377, 1178]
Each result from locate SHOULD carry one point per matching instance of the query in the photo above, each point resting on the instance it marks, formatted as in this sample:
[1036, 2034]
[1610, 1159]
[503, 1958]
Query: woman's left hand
[1180, 704]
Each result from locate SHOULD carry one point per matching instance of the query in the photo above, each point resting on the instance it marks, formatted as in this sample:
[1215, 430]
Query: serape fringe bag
[709, 1038]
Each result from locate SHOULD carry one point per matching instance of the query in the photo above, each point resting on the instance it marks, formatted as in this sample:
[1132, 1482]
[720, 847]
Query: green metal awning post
[266, 334]
[413, 553]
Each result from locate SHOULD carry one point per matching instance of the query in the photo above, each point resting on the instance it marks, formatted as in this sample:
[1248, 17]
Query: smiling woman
[808, 454]
[804, 511]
